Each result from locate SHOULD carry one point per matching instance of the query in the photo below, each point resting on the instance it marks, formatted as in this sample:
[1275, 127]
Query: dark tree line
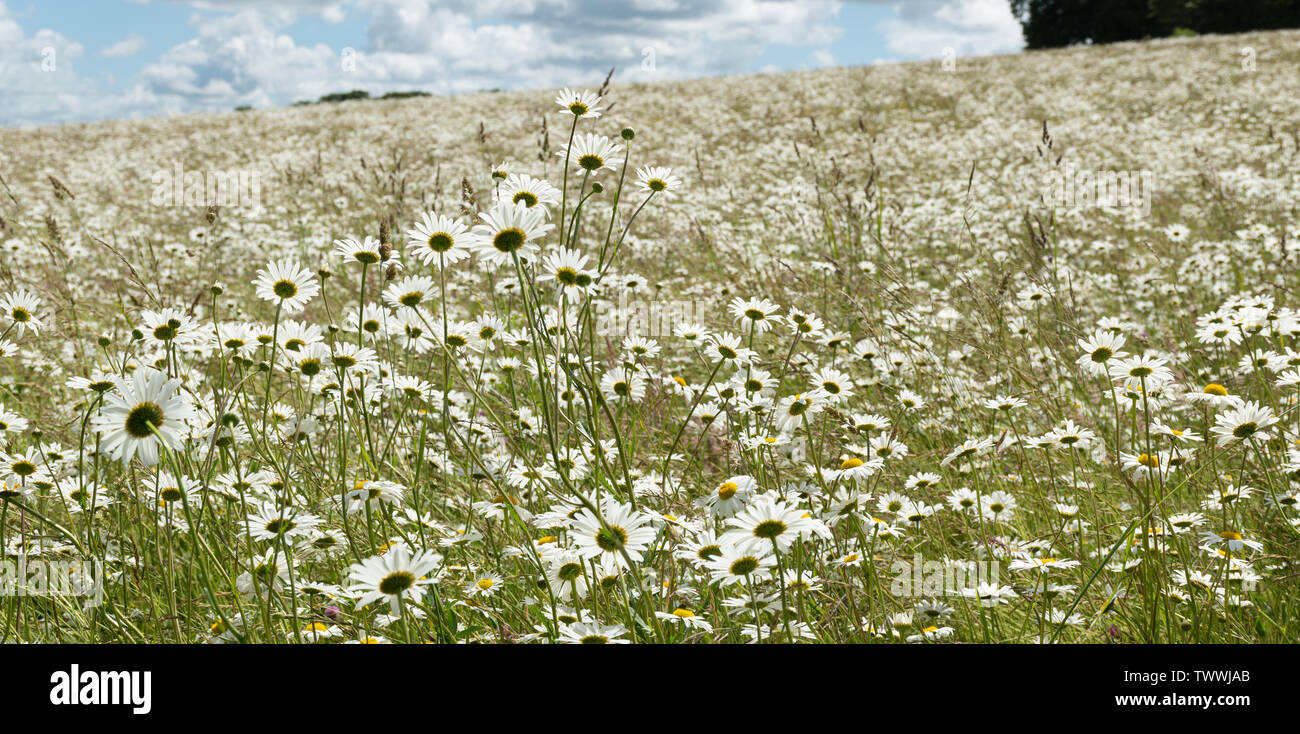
[1049, 23]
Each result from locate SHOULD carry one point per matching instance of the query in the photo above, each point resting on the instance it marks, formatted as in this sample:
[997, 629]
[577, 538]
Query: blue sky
[125, 58]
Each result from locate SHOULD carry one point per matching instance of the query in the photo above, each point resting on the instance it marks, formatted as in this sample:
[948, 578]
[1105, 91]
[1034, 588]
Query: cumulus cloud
[129, 46]
[927, 28]
[38, 73]
[243, 52]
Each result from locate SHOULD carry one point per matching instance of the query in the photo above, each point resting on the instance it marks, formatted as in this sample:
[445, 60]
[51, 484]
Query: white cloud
[243, 53]
[925, 28]
[129, 46]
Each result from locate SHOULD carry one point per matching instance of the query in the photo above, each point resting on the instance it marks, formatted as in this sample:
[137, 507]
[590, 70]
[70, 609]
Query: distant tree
[1049, 23]
[345, 96]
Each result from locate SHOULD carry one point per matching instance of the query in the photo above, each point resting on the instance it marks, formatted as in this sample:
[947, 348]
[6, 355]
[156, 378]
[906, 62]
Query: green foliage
[1049, 23]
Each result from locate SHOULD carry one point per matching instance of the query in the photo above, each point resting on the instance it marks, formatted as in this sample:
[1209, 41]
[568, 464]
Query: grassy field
[1000, 350]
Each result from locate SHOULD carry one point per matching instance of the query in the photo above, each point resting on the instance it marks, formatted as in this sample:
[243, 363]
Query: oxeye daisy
[268, 572]
[367, 251]
[371, 495]
[836, 385]
[438, 239]
[272, 522]
[592, 153]
[508, 231]
[143, 411]
[1151, 369]
[583, 633]
[10, 422]
[686, 618]
[483, 585]
[1248, 422]
[1145, 465]
[726, 348]
[167, 325]
[1005, 403]
[581, 105]
[1071, 436]
[736, 565]
[566, 574]
[351, 359]
[730, 496]
[756, 314]
[397, 575]
[617, 531]
[524, 190]
[410, 291]
[287, 283]
[690, 331]
[1099, 349]
[21, 310]
[22, 464]
[1215, 395]
[658, 180]
[768, 524]
[967, 450]
[567, 268]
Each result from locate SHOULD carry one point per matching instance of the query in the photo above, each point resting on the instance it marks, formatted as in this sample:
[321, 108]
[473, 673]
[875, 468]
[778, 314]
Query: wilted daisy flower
[397, 575]
[287, 283]
[144, 410]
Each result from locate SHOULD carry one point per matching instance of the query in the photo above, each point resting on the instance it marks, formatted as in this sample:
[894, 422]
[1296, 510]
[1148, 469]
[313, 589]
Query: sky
[85, 60]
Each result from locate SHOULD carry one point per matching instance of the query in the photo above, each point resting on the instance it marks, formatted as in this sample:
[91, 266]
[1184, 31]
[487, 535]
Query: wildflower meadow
[978, 350]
